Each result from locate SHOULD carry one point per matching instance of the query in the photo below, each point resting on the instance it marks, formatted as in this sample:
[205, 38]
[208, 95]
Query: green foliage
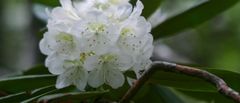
[25, 95]
[43, 86]
[150, 6]
[14, 97]
[206, 96]
[26, 83]
[189, 83]
[39, 69]
[192, 17]
[48, 2]
[36, 97]
[73, 96]
[156, 94]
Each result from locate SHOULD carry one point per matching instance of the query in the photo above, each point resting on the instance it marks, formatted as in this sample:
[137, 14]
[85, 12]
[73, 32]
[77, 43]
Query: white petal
[55, 64]
[67, 4]
[99, 45]
[96, 78]
[114, 77]
[65, 79]
[74, 75]
[80, 79]
[137, 10]
[143, 26]
[124, 61]
[91, 63]
[148, 47]
[44, 47]
[58, 13]
[124, 11]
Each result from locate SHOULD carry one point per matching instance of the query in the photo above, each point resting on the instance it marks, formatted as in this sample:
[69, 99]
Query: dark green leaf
[116, 94]
[207, 97]
[26, 83]
[192, 17]
[189, 83]
[73, 96]
[42, 93]
[167, 95]
[48, 2]
[37, 70]
[14, 98]
[148, 95]
[156, 94]
[38, 96]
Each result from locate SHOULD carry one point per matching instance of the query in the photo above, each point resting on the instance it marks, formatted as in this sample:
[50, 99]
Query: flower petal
[137, 10]
[44, 47]
[55, 64]
[80, 78]
[96, 78]
[66, 4]
[91, 63]
[124, 61]
[65, 79]
[114, 77]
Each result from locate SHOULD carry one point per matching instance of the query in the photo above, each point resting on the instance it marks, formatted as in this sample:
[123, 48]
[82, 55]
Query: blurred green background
[213, 44]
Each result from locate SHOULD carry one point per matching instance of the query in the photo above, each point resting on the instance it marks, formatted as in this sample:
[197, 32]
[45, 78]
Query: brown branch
[222, 87]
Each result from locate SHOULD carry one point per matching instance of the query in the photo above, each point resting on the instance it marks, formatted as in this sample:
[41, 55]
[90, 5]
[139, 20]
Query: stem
[222, 87]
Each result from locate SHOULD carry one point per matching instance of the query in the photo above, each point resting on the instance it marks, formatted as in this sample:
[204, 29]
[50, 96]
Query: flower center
[126, 32]
[64, 37]
[83, 56]
[97, 27]
[115, 2]
[65, 43]
[102, 6]
[107, 58]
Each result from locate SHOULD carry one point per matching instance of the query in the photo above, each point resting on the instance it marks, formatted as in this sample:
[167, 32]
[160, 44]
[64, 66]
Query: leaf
[206, 96]
[35, 97]
[79, 96]
[38, 96]
[189, 83]
[167, 95]
[115, 94]
[192, 17]
[48, 2]
[156, 94]
[26, 83]
[150, 6]
[39, 69]
[13, 98]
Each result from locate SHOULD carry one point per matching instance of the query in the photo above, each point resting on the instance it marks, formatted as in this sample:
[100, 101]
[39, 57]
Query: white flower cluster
[95, 41]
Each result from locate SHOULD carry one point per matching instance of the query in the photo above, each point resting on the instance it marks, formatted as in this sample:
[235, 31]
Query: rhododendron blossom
[95, 41]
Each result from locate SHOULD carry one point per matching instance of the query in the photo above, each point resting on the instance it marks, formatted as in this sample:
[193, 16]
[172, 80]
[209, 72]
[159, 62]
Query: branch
[222, 87]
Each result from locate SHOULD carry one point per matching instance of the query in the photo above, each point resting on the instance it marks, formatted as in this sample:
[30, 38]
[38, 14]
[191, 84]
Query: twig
[222, 87]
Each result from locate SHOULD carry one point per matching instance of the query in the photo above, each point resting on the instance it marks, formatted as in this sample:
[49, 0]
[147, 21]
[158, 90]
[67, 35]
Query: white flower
[60, 43]
[95, 42]
[108, 68]
[74, 74]
[65, 15]
[136, 40]
[96, 33]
